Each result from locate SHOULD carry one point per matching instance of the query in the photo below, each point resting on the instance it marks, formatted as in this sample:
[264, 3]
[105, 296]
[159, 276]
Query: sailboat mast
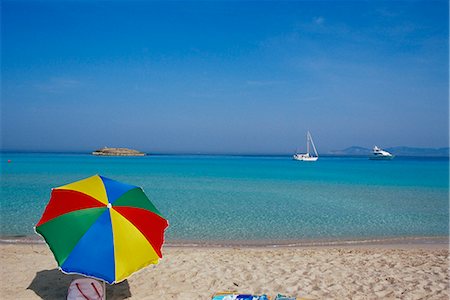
[307, 143]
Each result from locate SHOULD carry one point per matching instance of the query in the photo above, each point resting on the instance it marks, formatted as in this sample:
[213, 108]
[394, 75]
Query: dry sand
[28, 271]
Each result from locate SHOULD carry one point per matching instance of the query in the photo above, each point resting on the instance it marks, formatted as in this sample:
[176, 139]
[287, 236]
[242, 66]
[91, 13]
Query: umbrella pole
[104, 290]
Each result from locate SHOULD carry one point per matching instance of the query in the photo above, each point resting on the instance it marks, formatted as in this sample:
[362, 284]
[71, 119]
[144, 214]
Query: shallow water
[249, 199]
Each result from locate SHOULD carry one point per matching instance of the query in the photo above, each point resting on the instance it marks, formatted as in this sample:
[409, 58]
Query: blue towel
[281, 297]
[240, 297]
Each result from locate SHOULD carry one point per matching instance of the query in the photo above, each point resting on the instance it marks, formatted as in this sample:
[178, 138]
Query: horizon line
[214, 153]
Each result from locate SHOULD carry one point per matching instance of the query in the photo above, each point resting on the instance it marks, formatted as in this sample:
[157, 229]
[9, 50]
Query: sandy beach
[366, 272]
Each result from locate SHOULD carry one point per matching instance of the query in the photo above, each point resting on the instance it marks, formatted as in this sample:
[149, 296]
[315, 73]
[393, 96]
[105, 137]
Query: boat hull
[305, 158]
[381, 157]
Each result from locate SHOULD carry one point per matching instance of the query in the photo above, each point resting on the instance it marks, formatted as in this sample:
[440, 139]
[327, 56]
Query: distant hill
[354, 151]
[398, 151]
[410, 151]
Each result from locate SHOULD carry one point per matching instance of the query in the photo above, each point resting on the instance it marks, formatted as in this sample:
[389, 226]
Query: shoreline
[440, 242]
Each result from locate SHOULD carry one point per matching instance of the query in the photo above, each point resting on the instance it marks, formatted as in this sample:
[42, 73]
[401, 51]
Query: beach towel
[237, 296]
[85, 289]
[281, 297]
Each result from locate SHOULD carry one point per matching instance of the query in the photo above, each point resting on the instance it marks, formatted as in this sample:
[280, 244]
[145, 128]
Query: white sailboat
[307, 156]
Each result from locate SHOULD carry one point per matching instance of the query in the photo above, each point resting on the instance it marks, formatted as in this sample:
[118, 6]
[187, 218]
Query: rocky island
[117, 152]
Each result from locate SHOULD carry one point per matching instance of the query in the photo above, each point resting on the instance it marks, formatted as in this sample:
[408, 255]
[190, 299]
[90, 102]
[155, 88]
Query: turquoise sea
[242, 199]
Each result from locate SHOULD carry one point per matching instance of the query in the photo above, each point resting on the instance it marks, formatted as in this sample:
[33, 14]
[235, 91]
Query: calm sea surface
[249, 199]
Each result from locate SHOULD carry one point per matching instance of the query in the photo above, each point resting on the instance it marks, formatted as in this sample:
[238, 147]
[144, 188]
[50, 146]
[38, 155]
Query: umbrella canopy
[102, 228]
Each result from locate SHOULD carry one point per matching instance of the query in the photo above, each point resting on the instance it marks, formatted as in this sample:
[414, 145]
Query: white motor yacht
[379, 154]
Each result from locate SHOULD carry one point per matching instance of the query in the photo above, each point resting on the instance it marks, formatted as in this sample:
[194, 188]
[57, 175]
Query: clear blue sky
[223, 77]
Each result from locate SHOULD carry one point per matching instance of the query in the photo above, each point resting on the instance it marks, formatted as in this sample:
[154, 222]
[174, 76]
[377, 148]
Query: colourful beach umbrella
[101, 228]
